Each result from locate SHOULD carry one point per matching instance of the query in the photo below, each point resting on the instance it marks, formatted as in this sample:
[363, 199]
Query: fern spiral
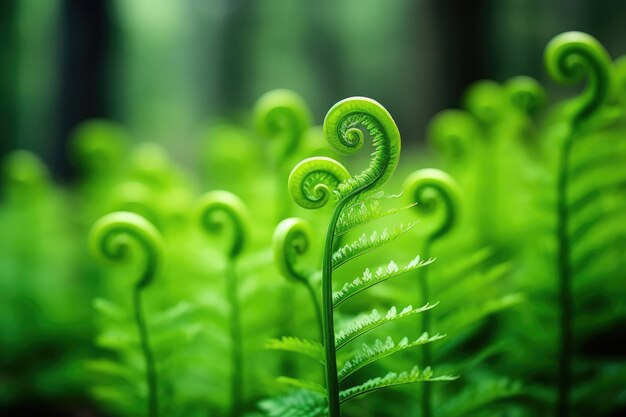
[110, 240]
[345, 127]
[221, 209]
[216, 211]
[284, 116]
[432, 190]
[292, 239]
[427, 187]
[569, 57]
[313, 180]
[525, 93]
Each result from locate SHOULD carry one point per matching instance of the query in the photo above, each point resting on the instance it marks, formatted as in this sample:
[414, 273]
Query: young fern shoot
[346, 126]
[569, 57]
[292, 238]
[283, 116]
[111, 239]
[219, 210]
[433, 190]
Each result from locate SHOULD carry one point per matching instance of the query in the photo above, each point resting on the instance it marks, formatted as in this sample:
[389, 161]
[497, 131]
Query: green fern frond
[301, 384]
[310, 348]
[466, 317]
[110, 310]
[369, 279]
[366, 244]
[367, 322]
[365, 211]
[390, 380]
[479, 395]
[369, 354]
[298, 403]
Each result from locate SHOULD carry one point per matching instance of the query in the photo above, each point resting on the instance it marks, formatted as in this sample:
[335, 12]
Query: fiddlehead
[571, 56]
[111, 236]
[525, 93]
[345, 127]
[110, 240]
[292, 239]
[485, 100]
[312, 181]
[454, 133]
[427, 187]
[218, 210]
[283, 115]
[433, 190]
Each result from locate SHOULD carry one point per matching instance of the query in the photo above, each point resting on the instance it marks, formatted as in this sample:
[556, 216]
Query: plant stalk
[427, 406]
[565, 285]
[151, 375]
[236, 379]
[328, 324]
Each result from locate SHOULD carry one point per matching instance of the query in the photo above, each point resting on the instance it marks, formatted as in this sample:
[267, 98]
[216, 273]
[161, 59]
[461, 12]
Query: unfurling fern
[430, 188]
[311, 183]
[111, 239]
[292, 238]
[284, 116]
[569, 57]
[219, 210]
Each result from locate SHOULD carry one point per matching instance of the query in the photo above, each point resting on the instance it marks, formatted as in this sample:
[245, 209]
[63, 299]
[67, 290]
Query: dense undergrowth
[480, 275]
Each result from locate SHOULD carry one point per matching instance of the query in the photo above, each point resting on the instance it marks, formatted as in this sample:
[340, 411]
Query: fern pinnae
[109, 240]
[342, 127]
[365, 323]
[365, 211]
[393, 379]
[292, 239]
[218, 210]
[310, 348]
[365, 243]
[381, 349]
[430, 188]
[381, 274]
[569, 57]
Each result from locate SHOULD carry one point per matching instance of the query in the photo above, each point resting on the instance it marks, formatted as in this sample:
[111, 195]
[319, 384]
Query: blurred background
[176, 73]
[166, 69]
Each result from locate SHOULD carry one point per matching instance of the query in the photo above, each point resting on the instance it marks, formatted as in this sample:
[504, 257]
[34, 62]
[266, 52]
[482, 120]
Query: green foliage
[504, 236]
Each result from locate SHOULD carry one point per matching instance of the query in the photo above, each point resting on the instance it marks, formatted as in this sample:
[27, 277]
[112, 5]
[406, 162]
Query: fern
[380, 274]
[563, 56]
[368, 243]
[110, 239]
[390, 380]
[312, 349]
[298, 403]
[379, 350]
[217, 210]
[367, 322]
[358, 202]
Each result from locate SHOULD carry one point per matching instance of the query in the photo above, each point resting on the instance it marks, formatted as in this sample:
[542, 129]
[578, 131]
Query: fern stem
[236, 379]
[427, 404]
[316, 306]
[151, 375]
[328, 324]
[565, 285]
